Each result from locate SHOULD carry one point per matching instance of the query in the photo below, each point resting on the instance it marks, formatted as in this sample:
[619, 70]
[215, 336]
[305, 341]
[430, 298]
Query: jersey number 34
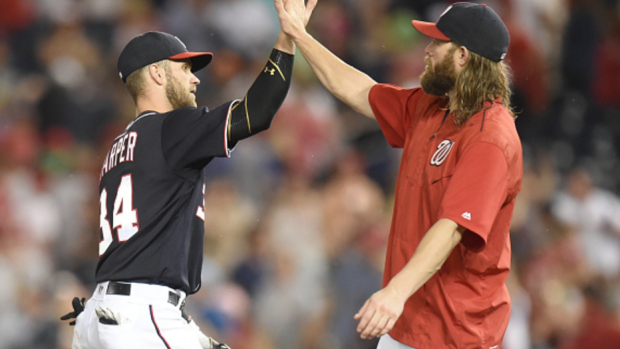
[124, 216]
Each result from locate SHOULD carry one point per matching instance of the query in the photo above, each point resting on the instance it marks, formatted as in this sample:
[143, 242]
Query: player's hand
[294, 16]
[379, 313]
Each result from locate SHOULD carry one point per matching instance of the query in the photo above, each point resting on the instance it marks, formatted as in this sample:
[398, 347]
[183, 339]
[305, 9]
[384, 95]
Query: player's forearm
[348, 84]
[428, 258]
[285, 44]
[259, 106]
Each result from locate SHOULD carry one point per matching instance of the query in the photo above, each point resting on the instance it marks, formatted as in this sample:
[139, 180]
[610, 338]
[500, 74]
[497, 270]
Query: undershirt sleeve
[389, 104]
[256, 111]
[476, 192]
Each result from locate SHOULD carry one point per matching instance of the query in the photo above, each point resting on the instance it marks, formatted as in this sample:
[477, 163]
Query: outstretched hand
[294, 16]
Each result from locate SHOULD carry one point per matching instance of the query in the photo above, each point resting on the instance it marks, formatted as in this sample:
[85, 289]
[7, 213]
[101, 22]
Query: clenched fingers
[374, 326]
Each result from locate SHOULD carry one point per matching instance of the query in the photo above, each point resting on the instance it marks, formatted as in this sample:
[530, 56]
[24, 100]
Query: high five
[348, 84]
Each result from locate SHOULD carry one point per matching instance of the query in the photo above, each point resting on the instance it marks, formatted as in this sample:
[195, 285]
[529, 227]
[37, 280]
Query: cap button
[484, 5]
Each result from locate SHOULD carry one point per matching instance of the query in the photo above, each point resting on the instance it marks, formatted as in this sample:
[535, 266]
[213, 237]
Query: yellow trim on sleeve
[236, 103]
[279, 71]
[247, 115]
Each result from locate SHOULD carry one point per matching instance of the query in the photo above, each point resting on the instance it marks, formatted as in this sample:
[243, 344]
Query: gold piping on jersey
[236, 103]
[235, 106]
[279, 71]
[247, 115]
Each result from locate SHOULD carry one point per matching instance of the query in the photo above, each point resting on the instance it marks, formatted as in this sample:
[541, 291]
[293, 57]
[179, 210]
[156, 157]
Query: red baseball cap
[475, 26]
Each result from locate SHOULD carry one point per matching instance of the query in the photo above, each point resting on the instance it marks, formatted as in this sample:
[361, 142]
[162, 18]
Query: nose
[195, 80]
[427, 50]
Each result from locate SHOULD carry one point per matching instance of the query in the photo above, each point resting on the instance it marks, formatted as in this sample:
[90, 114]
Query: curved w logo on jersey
[443, 149]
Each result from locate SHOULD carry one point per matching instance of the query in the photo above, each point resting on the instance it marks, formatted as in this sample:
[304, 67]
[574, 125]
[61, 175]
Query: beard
[438, 81]
[177, 95]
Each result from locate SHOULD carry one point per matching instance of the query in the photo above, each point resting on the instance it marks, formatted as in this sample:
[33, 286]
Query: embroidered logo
[443, 149]
[467, 216]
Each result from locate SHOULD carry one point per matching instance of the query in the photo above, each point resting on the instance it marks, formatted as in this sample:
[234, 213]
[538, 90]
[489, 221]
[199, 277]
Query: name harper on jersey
[121, 151]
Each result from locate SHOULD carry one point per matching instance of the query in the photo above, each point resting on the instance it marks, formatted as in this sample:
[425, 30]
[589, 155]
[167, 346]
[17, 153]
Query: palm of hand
[294, 15]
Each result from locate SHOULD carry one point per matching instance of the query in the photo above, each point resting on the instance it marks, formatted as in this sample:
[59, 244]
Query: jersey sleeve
[476, 192]
[191, 137]
[389, 104]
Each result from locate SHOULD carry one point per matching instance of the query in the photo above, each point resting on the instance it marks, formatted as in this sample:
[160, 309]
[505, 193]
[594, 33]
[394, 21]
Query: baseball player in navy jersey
[151, 193]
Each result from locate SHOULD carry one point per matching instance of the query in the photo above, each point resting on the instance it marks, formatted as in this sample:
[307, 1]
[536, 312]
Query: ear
[462, 55]
[157, 73]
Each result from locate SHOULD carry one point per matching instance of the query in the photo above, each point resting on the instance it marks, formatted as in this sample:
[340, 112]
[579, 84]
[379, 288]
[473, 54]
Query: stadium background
[297, 220]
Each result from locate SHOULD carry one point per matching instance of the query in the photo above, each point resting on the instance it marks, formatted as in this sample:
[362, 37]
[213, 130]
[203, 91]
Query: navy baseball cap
[152, 47]
[475, 26]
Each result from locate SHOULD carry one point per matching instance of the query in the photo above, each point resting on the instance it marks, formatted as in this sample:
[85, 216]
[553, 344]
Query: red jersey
[471, 175]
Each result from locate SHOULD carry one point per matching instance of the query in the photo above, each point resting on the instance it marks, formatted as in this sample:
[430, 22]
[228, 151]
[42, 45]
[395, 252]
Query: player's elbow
[263, 124]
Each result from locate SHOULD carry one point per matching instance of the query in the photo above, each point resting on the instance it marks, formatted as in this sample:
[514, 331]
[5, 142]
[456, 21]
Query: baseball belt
[123, 289]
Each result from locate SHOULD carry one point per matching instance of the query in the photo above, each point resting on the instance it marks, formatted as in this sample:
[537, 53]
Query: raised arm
[348, 84]
[256, 111]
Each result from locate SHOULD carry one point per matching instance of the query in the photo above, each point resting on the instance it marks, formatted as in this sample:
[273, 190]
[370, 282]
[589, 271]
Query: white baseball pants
[146, 319]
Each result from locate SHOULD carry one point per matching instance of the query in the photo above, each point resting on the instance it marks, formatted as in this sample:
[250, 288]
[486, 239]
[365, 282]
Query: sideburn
[174, 92]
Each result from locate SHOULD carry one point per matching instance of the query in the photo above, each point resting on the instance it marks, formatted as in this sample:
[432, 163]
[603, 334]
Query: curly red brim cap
[430, 30]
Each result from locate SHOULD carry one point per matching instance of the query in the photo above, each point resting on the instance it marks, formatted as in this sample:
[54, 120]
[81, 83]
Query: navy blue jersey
[152, 197]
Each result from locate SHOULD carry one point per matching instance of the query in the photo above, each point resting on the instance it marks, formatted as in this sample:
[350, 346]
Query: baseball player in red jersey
[449, 248]
[152, 193]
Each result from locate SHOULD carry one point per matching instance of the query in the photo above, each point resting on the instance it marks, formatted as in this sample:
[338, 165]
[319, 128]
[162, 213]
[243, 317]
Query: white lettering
[200, 212]
[121, 151]
[133, 137]
[122, 159]
[104, 170]
[125, 216]
[112, 151]
[119, 143]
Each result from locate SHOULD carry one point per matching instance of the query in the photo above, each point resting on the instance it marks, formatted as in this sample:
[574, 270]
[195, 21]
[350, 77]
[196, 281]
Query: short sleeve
[191, 137]
[476, 192]
[389, 104]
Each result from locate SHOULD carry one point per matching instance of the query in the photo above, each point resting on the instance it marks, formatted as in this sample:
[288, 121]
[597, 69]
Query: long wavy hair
[479, 81]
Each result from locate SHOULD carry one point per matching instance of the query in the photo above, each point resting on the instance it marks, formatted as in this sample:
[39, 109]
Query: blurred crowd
[297, 220]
